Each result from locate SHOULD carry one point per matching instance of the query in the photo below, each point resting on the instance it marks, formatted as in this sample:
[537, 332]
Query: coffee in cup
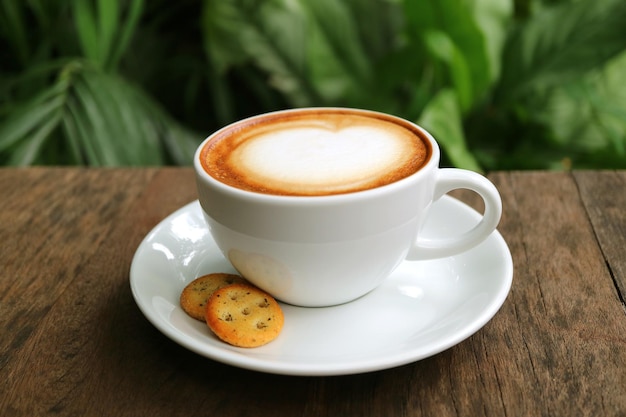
[318, 206]
[315, 153]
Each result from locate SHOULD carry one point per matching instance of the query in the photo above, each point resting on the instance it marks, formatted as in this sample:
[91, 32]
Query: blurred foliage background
[502, 84]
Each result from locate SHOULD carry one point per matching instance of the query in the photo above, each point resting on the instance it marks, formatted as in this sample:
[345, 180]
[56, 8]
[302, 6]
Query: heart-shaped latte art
[324, 159]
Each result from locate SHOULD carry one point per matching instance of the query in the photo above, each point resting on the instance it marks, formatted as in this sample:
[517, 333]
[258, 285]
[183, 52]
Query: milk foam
[311, 158]
[320, 155]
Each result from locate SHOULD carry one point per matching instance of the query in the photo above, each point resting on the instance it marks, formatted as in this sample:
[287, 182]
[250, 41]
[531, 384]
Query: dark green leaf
[73, 135]
[271, 34]
[27, 119]
[126, 32]
[222, 22]
[130, 131]
[341, 32]
[28, 149]
[76, 120]
[561, 44]
[13, 28]
[282, 56]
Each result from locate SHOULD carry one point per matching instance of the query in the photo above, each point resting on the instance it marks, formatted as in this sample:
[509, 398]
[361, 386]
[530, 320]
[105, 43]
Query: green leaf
[337, 66]
[87, 30]
[73, 135]
[257, 32]
[379, 25]
[560, 44]
[493, 19]
[180, 142]
[108, 15]
[31, 115]
[122, 131]
[325, 71]
[77, 121]
[282, 57]
[589, 116]
[442, 118]
[222, 22]
[136, 136]
[13, 28]
[28, 149]
[37, 73]
[456, 20]
[135, 10]
[116, 123]
[341, 32]
[93, 126]
[442, 47]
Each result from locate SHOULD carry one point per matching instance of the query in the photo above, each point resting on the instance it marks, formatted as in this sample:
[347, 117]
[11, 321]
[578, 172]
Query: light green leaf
[494, 19]
[108, 15]
[456, 20]
[87, 30]
[441, 46]
[589, 116]
[442, 118]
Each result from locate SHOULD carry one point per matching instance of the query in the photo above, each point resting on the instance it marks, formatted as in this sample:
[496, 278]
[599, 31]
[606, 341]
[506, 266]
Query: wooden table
[74, 342]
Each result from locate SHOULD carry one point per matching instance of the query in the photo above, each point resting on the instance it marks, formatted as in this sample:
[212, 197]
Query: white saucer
[422, 309]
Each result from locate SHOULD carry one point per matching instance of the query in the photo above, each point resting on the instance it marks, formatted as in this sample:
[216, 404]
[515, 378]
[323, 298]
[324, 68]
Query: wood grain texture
[604, 197]
[74, 343]
[566, 321]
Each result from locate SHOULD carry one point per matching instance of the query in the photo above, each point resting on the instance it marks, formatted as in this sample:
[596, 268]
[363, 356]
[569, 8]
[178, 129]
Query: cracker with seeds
[195, 295]
[244, 316]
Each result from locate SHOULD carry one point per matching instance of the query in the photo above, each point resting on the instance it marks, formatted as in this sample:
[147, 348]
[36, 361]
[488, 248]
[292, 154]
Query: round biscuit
[194, 296]
[244, 316]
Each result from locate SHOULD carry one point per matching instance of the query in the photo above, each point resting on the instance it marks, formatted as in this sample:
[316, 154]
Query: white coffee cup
[322, 250]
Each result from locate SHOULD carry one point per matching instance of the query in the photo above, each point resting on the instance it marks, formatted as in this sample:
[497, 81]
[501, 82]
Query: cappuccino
[344, 240]
[315, 152]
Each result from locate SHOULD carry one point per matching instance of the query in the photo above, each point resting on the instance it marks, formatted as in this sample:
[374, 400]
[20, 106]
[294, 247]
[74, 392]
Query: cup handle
[449, 179]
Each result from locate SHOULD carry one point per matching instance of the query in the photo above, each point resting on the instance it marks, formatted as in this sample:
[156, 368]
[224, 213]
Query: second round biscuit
[244, 316]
